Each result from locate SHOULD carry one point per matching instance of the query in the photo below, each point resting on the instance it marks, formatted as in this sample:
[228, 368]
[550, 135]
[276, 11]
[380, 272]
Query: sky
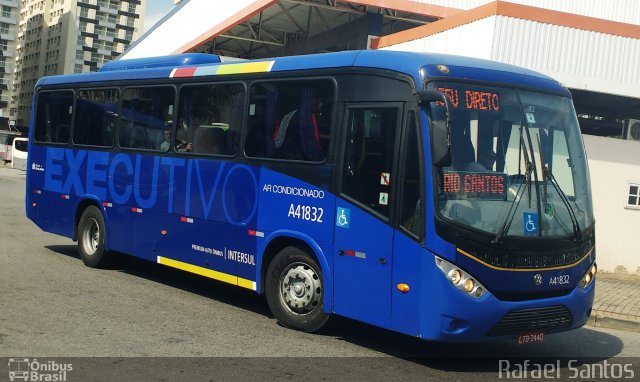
[156, 9]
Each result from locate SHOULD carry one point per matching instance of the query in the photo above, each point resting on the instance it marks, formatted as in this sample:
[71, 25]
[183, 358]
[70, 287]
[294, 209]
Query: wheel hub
[300, 288]
[91, 236]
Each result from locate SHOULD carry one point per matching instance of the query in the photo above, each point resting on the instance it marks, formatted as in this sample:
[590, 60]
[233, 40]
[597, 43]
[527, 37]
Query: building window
[633, 199]
[6, 12]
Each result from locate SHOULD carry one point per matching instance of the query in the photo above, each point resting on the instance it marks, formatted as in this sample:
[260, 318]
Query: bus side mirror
[440, 134]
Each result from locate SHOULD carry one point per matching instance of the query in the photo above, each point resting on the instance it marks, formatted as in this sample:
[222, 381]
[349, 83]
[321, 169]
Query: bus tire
[91, 237]
[295, 290]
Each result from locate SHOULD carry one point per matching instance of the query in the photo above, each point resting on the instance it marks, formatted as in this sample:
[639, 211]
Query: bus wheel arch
[84, 203]
[293, 264]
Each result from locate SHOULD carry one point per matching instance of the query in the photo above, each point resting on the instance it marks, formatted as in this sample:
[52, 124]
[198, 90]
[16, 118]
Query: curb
[614, 323]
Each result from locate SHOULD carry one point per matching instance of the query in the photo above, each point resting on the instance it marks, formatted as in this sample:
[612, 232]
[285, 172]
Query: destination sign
[471, 99]
[475, 185]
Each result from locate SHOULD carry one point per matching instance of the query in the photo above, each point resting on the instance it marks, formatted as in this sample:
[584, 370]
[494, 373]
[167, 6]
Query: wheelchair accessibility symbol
[530, 222]
[343, 216]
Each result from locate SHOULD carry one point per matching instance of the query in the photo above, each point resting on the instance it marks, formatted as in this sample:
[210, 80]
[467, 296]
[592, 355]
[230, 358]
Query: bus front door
[363, 236]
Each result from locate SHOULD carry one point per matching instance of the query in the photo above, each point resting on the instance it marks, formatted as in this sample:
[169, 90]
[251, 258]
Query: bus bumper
[452, 316]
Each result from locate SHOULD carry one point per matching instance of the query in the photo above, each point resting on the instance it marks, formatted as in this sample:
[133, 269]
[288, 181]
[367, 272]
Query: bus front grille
[533, 320]
[527, 259]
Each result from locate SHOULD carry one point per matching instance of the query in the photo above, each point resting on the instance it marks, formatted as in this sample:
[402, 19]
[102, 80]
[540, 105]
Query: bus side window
[209, 118]
[94, 122]
[53, 116]
[411, 214]
[145, 115]
[368, 156]
[290, 120]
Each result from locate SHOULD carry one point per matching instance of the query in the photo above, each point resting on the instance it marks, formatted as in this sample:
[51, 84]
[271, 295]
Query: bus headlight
[455, 276]
[468, 285]
[460, 279]
[589, 276]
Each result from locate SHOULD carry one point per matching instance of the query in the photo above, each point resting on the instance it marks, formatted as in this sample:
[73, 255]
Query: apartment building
[68, 36]
[8, 31]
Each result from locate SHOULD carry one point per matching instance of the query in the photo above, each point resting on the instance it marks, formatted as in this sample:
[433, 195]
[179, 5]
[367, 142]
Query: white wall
[613, 163]
[472, 40]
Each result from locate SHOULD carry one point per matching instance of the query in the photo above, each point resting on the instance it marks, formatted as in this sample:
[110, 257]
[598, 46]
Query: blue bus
[442, 197]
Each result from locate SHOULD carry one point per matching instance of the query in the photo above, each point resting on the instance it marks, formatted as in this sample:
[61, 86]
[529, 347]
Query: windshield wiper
[577, 232]
[529, 168]
[547, 174]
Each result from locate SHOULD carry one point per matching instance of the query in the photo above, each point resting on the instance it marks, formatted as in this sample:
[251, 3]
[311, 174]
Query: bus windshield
[518, 163]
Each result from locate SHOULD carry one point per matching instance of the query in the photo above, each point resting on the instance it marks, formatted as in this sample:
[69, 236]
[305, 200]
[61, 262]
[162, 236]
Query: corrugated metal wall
[557, 49]
[578, 58]
[626, 11]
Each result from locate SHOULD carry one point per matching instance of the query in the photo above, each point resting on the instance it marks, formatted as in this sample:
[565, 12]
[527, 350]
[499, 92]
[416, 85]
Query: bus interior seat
[62, 133]
[208, 140]
[291, 147]
[138, 137]
[155, 137]
[181, 133]
[104, 135]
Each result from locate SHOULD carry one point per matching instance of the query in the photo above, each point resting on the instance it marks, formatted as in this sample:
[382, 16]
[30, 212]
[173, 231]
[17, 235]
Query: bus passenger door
[363, 235]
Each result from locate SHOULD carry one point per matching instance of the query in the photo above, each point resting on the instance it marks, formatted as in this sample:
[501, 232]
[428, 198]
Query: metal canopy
[309, 26]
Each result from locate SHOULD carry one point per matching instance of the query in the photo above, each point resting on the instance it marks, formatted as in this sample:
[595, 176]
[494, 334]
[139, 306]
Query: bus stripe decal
[248, 67]
[183, 72]
[206, 71]
[210, 273]
[248, 284]
[241, 68]
[252, 232]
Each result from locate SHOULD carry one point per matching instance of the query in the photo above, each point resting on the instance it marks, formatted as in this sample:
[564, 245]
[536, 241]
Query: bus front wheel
[294, 289]
[91, 237]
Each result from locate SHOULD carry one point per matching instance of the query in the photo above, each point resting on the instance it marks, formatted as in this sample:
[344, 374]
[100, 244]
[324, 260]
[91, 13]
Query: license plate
[530, 338]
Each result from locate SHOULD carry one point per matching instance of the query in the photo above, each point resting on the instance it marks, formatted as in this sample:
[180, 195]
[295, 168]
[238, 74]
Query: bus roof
[416, 65]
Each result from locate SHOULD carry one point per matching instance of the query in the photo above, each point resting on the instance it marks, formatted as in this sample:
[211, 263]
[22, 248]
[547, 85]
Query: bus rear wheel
[91, 237]
[295, 290]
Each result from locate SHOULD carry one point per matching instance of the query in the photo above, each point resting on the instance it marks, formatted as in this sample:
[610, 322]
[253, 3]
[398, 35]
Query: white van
[19, 153]
[6, 140]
